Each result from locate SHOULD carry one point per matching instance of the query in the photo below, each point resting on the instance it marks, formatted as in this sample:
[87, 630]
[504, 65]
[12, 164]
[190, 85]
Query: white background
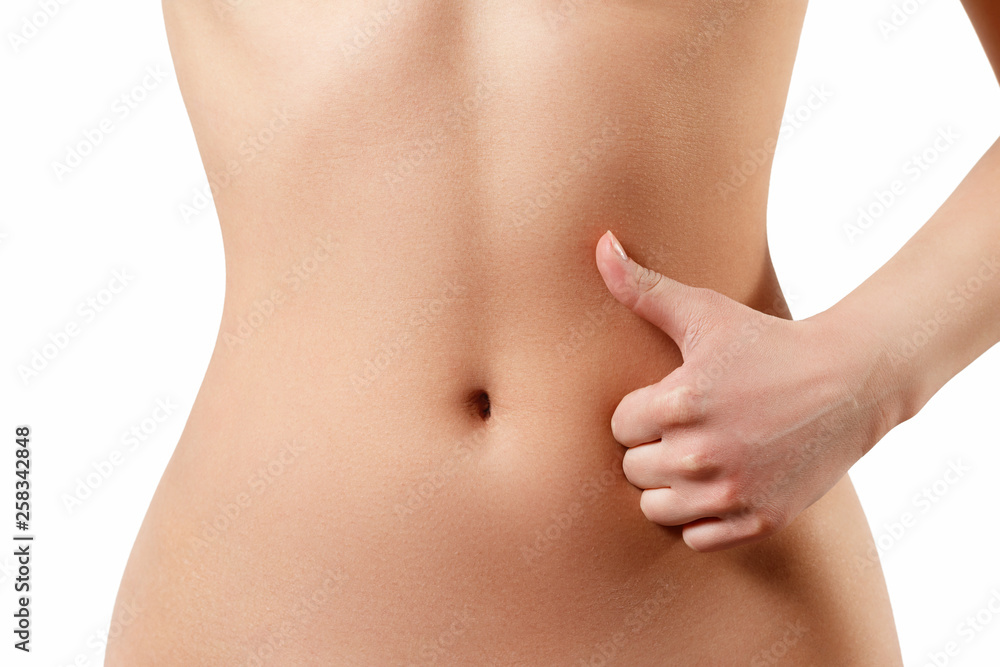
[62, 240]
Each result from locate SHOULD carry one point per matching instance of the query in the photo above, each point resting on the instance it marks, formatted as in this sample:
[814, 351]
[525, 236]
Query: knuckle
[697, 464]
[729, 497]
[767, 521]
[698, 326]
[710, 305]
[646, 279]
[710, 298]
[680, 404]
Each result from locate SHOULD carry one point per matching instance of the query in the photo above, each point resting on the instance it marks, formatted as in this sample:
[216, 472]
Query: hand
[762, 418]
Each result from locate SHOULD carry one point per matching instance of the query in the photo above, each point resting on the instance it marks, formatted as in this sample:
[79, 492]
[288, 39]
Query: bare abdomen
[420, 234]
[336, 494]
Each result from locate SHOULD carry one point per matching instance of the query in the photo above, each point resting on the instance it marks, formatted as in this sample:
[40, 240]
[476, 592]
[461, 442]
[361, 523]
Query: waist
[355, 402]
[378, 329]
[408, 524]
[435, 344]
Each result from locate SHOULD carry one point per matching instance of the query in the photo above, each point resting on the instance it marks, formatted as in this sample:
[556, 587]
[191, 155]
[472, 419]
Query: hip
[395, 521]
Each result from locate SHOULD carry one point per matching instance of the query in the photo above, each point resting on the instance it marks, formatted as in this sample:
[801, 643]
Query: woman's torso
[410, 193]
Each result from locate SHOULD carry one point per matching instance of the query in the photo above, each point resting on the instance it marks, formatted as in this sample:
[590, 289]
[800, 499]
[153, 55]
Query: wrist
[880, 380]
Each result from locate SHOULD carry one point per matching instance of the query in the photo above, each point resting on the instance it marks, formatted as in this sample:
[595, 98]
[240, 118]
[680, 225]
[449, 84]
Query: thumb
[672, 306]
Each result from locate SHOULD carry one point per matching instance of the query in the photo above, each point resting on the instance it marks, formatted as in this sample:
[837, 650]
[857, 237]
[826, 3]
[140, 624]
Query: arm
[765, 415]
[935, 306]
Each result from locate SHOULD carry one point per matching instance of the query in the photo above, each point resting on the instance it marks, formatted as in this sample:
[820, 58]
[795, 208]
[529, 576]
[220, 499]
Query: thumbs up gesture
[763, 417]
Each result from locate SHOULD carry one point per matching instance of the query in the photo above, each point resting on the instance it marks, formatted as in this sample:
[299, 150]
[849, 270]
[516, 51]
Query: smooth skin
[766, 414]
[403, 199]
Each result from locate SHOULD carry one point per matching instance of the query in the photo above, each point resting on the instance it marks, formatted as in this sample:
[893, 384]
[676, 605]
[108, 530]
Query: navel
[479, 403]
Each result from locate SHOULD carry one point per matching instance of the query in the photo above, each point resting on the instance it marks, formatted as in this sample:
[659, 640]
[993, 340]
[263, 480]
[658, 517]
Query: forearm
[935, 306]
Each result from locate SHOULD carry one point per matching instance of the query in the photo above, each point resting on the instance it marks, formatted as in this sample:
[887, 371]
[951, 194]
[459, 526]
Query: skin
[733, 449]
[732, 446]
[408, 223]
